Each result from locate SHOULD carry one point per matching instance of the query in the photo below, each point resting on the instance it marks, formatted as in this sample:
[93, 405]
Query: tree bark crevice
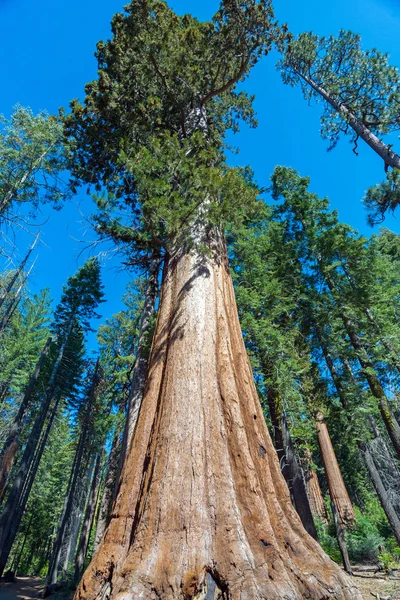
[196, 497]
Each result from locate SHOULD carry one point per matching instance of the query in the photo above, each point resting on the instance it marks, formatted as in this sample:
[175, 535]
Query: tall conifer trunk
[290, 467]
[337, 488]
[342, 508]
[11, 444]
[202, 509]
[317, 503]
[54, 567]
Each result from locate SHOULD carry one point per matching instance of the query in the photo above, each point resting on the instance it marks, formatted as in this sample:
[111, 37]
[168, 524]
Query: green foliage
[152, 127]
[33, 159]
[383, 197]
[364, 541]
[361, 80]
[81, 296]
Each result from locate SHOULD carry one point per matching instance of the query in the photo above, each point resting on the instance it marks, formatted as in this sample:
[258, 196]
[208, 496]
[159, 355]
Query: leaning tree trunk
[337, 488]
[381, 491]
[383, 150]
[366, 364]
[65, 519]
[11, 506]
[317, 503]
[342, 508]
[12, 524]
[203, 509]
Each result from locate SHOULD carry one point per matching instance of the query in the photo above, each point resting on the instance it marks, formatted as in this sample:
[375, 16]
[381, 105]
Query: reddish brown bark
[317, 503]
[202, 509]
[337, 488]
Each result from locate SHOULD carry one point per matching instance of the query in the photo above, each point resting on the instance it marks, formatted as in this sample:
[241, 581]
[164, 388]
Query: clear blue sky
[46, 51]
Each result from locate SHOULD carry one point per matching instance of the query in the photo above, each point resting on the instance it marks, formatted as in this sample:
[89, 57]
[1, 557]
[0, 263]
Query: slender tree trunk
[140, 369]
[7, 519]
[381, 491]
[71, 531]
[52, 575]
[12, 526]
[392, 354]
[109, 487]
[314, 493]
[290, 467]
[337, 488]
[18, 555]
[11, 444]
[17, 273]
[203, 508]
[380, 488]
[341, 539]
[383, 150]
[391, 424]
[87, 522]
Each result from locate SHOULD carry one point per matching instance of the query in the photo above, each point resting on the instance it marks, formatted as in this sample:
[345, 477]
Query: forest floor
[378, 586]
[24, 588]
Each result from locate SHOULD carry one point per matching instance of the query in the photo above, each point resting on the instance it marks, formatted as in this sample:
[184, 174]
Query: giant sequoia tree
[202, 508]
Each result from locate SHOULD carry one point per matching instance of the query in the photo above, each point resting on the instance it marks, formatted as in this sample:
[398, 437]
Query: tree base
[203, 510]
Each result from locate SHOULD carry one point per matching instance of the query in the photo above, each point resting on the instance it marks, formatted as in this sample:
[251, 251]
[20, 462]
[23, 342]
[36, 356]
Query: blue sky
[46, 51]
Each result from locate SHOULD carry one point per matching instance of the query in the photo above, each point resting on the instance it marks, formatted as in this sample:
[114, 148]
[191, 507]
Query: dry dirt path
[25, 588]
[28, 588]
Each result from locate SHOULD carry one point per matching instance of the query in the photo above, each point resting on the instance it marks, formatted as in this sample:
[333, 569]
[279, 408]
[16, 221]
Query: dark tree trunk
[391, 424]
[87, 522]
[109, 487]
[54, 567]
[290, 467]
[10, 527]
[11, 506]
[11, 444]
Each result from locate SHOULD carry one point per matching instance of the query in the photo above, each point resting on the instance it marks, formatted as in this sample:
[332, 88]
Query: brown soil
[24, 588]
[377, 585]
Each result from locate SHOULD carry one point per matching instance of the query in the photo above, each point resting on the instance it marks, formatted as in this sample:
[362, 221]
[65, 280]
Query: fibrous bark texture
[317, 503]
[337, 488]
[203, 510]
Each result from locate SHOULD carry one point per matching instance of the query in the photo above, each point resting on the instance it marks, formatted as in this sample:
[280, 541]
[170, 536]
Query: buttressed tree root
[202, 510]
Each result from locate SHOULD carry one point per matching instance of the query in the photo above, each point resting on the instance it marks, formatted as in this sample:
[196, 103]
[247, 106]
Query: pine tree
[72, 318]
[33, 159]
[360, 92]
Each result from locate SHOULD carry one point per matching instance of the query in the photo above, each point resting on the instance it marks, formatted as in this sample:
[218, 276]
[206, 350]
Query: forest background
[48, 56]
[47, 60]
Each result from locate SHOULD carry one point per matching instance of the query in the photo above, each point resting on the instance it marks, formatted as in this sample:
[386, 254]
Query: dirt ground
[24, 588]
[373, 586]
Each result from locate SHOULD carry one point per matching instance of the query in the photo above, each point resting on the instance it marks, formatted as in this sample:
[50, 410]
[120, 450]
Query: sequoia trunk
[337, 488]
[317, 503]
[202, 509]
[140, 369]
